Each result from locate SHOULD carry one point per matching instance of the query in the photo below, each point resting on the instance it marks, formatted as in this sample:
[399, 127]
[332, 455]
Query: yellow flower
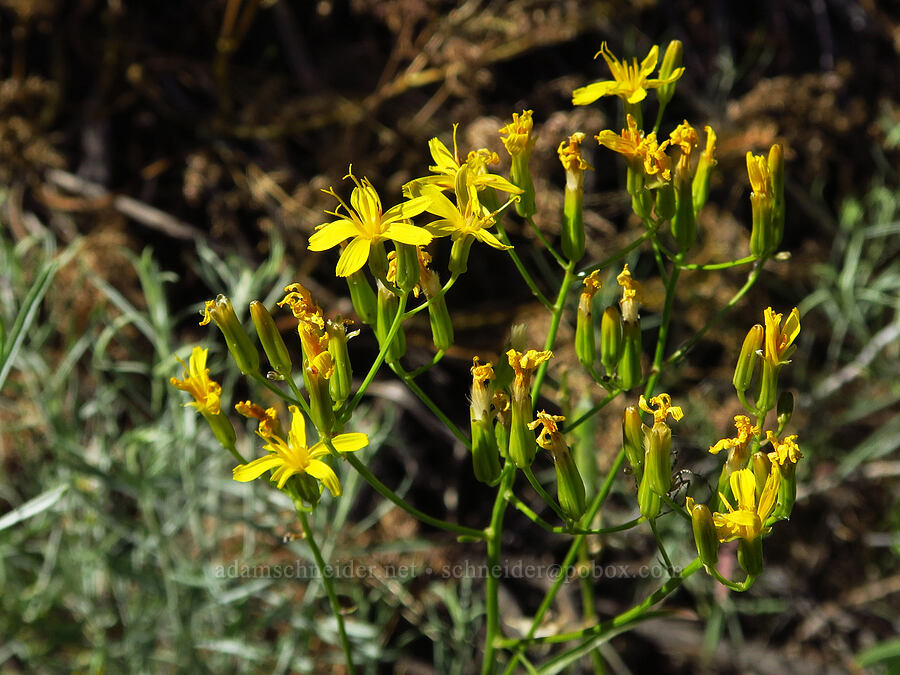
[467, 217]
[748, 520]
[744, 432]
[294, 457]
[269, 425]
[664, 408]
[592, 284]
[783, 451]
[779, 339]
[638, 149]
[632, 295]
[549, 429]
[758, 172]
[447, 164]
[569, 152]
[629, 82]
[523, 365]
[302, 306]
[366, 222]
[519, 139]
[206, 392]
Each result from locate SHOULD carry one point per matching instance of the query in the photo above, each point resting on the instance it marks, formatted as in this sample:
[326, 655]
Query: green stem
[594, 410]
[681, 351]
[325, 576]
[501, 235]
[720, 266]
[557, 311]
[675, 507]
[662, 548]
[595, 506]
[543, 494]
[492, 581]
[740, 587]
[618, 255]
[656, 368]
[431, 405]
[546, 243]
[392, 496]
[428, 366]
[618, 622]
[350, 406]
[446, 287]
[298, 401]
[557, 529]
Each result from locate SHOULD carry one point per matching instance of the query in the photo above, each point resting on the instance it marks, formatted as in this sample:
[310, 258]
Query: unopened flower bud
[762, 467]
[785, 409]
[320, 402]
[787, 492]
[363, 297]
[629, 369]
[705, 537]
[612, 339]
[521, 441]
[658, 458]
[633, 431]
[665, 202]
[407, 267]
[649, 501]
[270, 339]
[388, 304]
[750, 556]
[746, 363]
[700, 184]
[459, 254]
[438, 314]
[767, 201]
[239, 343]
[341, 381]
[671, 64]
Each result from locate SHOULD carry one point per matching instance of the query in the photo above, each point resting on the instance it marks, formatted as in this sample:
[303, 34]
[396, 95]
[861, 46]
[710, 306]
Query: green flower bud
[239, 343]
[633, 431]
[485, 454]
[684, 224]
[787, 492]
[785, 410]
[438, 315]
[407, 266]
[459, 254]
[746, 364]
[585, 348]
[665, 202]
[658, 458]
[306, 488]
[768, 387]
[388, 304]
[522, 447]
[750, 556]
[569, 486]
[762, 467]
[611, 339]
[700, 184]
[321, 407]
[573, 202]
[222, 429]
[705, 537]
[519, 142]
[672, 60]
[363, 297]
[649, 501]
[341, 381]
[630, 361]
[271, 340]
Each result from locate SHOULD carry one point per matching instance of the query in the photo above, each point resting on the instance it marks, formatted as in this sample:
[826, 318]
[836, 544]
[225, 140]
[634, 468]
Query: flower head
[758, 172]
[518, 137]
[748, 520]
[639, 151]
[783, 451]
[447, 164]
[269, 425]
[467, 217]
[664, 408]
[550, 433]
[570, 154]
[524, 364]
[292, 456]
[366, 222]
[779, 339]
[630, 81]
[745, 431]
[206, 392]
[632, 295]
